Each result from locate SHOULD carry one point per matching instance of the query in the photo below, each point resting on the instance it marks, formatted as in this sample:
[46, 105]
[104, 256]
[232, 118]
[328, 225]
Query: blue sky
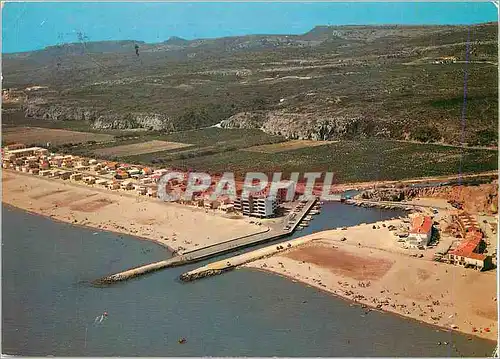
[30, 26]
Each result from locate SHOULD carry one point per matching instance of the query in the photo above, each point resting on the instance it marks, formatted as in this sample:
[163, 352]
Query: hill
[333, 82]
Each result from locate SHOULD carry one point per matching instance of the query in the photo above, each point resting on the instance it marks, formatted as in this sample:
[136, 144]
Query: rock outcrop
[39, 109]
[308, 126]
[475, 199]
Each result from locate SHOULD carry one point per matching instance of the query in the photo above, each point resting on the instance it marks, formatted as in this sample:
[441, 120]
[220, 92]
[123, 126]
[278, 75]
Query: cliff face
[475, 199]
[99, 120]
[307, 125]
[148, 121]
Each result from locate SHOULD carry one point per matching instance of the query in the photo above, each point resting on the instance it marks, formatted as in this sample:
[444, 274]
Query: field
[353, 161]
[40, 136]
[287, 146]
[140, 148]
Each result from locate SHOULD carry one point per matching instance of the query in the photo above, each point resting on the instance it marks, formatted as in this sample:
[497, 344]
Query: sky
[32, 26]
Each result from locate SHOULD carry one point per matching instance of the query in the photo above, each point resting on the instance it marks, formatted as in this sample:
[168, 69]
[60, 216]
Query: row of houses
[143, 180]
[469, 252]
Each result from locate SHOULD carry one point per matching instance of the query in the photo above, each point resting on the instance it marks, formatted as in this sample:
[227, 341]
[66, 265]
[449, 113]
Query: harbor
[292, 222]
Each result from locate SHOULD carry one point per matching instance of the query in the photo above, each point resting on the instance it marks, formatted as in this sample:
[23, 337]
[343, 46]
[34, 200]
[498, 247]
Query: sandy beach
[175, 226]
[370, 271]
[369, 267]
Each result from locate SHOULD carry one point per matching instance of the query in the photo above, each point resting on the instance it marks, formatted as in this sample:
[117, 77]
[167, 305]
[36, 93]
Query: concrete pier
[213, 250]
[219, 267]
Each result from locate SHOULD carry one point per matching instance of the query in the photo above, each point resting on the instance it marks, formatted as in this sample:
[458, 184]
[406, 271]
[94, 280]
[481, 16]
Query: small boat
[182, 341]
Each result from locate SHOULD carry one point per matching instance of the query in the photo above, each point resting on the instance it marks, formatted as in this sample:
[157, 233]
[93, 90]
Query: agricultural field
[40, 136]
[353, 161]
[287, 146]
[139, 148]
[208, 141]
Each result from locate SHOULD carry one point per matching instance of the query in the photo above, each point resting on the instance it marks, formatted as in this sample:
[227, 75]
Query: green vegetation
[353, 161]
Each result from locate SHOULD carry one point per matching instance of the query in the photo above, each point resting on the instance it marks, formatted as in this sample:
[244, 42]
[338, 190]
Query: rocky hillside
[475, 199]
[329, 83]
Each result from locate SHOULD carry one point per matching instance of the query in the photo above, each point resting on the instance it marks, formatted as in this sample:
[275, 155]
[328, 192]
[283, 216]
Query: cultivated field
[140, 148]
[37, 135]
[287, 146]
[353, 161]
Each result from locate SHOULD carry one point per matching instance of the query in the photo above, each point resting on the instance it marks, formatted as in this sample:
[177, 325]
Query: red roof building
[421, 225]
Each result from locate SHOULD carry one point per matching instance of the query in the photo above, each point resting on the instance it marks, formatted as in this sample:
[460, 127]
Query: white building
[263, 207]
[420, 232]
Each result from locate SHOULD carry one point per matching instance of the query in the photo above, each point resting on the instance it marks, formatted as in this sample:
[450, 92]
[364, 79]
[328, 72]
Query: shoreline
[371, 308]
[176, 227]
[446, 296]
[85, 226]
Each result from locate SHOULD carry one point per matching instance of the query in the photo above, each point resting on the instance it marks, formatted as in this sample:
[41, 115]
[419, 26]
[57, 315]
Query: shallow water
[48, 307]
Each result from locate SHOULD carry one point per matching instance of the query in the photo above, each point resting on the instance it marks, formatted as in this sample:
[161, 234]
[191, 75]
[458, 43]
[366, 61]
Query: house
[23, 152]
[44, 165]
[67, 162]
[468, 253]
[81, 168]
[111, 166]
[101, 182]
[113, 185]
[93, 162]
[127, 185]
[15, 146]
[83, 162]
[420, 231]
[147, 171]
[145, 180]
[152, 191]
[121, 175]
[65, 175]
[55, 173]
[134, 171]
[89, 180]
[76, 177]
[41, 152]
[140, 189]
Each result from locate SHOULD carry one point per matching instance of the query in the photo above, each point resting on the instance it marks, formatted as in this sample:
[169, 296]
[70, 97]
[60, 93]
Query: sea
[49, 306]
